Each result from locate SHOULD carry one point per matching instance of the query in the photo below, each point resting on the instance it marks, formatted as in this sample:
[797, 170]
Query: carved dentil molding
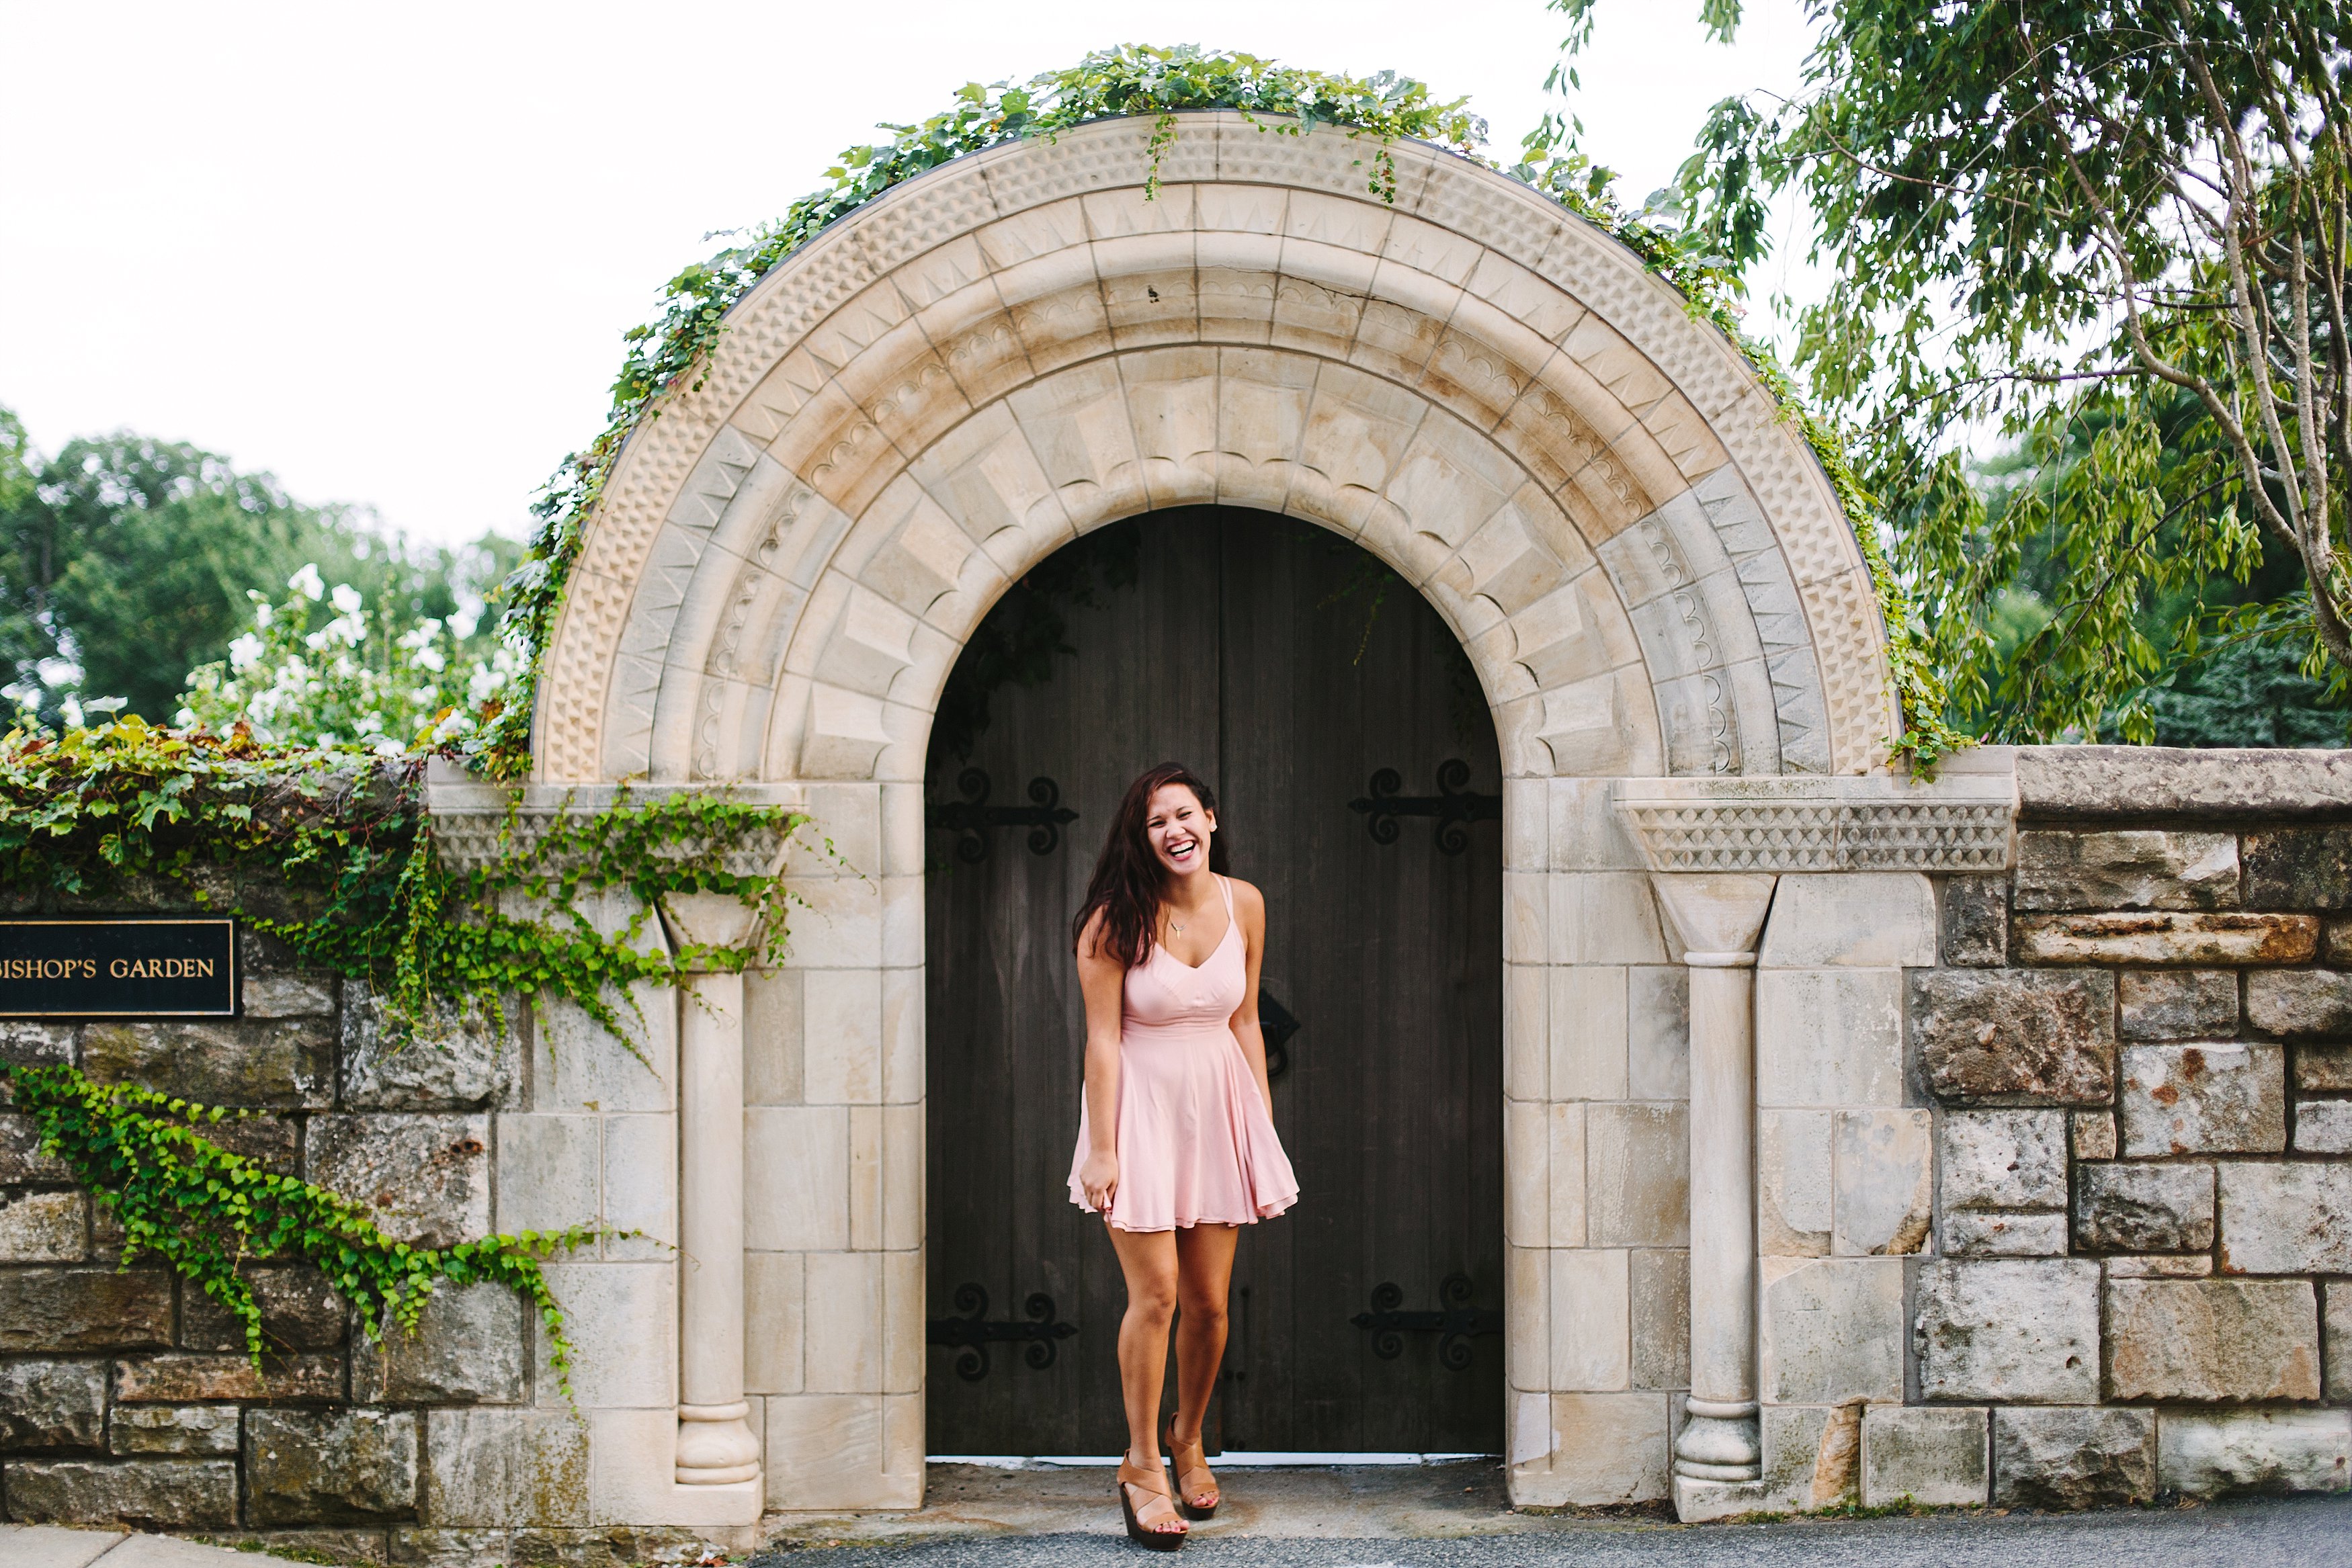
[1879, 824]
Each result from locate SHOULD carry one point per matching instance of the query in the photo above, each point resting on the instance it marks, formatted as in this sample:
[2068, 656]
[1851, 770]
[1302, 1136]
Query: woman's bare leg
[1205, 1274]
[1147, 1258]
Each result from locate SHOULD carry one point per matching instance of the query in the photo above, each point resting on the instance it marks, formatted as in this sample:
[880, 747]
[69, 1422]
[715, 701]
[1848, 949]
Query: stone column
[716, 1445]
[1719, 916]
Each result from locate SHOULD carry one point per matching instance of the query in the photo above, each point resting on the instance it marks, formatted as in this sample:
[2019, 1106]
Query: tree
[2112, 235]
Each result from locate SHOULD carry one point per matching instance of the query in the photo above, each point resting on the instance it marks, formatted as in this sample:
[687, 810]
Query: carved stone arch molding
[1650, 570]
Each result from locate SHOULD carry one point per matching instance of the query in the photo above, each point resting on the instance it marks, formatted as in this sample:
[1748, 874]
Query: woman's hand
[1098, 1178]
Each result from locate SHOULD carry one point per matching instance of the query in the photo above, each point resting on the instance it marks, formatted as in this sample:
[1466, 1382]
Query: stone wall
[126, 1397]
[2112, 1188]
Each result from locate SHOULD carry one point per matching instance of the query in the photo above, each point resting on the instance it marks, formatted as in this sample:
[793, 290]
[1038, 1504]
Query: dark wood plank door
[1288, 668]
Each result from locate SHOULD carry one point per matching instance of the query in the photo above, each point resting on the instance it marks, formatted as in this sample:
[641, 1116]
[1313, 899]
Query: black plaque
[118, 968]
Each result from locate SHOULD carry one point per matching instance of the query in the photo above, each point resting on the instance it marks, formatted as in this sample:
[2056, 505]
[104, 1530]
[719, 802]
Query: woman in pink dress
[1176, 1142]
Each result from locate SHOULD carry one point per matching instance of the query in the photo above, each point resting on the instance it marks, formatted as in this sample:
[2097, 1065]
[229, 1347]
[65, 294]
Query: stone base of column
[1720, 1442]
[715, 1445]
[1699, 1501]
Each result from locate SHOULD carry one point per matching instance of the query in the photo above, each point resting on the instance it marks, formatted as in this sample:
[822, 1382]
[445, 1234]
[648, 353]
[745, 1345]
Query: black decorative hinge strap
[1454, 806]
[972, 1334]
[1458, 1322]
[973, 817]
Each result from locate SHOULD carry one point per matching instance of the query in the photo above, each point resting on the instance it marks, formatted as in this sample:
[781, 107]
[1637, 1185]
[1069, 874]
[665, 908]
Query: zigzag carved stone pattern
[1651, 573]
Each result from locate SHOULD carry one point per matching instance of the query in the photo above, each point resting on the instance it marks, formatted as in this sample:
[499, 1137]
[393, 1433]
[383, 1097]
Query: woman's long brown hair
[1129, 880]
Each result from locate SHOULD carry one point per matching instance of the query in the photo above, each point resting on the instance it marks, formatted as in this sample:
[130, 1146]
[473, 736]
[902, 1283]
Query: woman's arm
[1249, 908]
[1102, 982]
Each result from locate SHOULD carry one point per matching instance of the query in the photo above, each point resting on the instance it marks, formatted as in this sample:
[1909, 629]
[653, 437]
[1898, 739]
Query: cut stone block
[2016, 1036]
[1869, 919]
[52, 1404]
[2335, 942]
[2323, 1127]
[1976, 921]
[2207, 940]
[83, 1309]
[2300, 1004]
[2160, 1266]
[131, 1494]
[2004, 1159]
[282, 1061]
[427, 1178]
[488, 1467]
[2285, 1218]
[44, 1227]
[1831, 1330]
[2254, 1451]
[2144, 1209]
[1828, 1037]
[2214, 1098]
[287, 994]
[330, 1466]
[2022, 1331]
[1989, 1233]
[2213, 1340]
[1936, 1458]
[1637, 1182]
[1608, 1449]
[193, 1379]
[2073, 1458]
[21, 1159]
[2299, 868]
[2323, 1069]
[2094, 1135]
[2133, 869]
[173, 1429]
[300, 1311]
[1660, 1283]
[2335, 1334]
[1813, 1455]
[1794, 1193]
[1884, 1182]
[467, 1349]
[2179, 1004]
[2109, 781]
[457, 1060]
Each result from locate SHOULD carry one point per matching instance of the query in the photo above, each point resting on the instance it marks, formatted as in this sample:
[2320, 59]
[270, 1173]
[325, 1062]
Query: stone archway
[1649, 571]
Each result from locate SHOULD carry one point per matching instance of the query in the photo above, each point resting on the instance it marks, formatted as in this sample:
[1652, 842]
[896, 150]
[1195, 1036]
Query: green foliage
[205, 1211]
[125, 562]
[344, 851]
[2110, 234]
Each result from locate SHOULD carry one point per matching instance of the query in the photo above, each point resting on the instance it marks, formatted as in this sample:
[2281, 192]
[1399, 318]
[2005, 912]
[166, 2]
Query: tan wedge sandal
[1193, 1477]
[1146, 1525]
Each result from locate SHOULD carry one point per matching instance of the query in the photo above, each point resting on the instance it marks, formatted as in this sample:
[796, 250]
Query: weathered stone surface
[2300, 1004]
[2073, 1458]
[285, 1061]
[136, 1494]
[1884, 1182]
[2004, 1159]
[52, 1404]
[2254, 1451]
[2335, 942]
[2013, 1330]
[467, 1348]
[2160, 938]
[2179, 1004]
[1831, 1330]
[1993, 1233]
[2299, 868]
[173, 1429]
[2135, 869]
[1813, 1455]
[2323, 1127]
[2018, 1037]
[1660, 1281]
[1794, 1201]
[456, 1063]
[83, 1309]
[427, 1177]
[2285, 1218]
[287, 994]
[300, 1311]
[2110, 781]
[1876, 920]
[2143, 1208]
[184, 1379]
[1936, 1458]
[2212, 1338]
[2320, 1068]
[44, 1227]
[24, 1043]
[1637, 1176]
[2159, 1266]
[2336, 1335]
[21, 1159]
[2216, 1099]
[488, 1467]
[330, 1466]
[2094, 1134]
[1976, 921]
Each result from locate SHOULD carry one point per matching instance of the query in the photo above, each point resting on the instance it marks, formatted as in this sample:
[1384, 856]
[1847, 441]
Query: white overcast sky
[387, 252]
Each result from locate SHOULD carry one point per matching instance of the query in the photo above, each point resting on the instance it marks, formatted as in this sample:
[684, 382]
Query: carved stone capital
[1960, 823]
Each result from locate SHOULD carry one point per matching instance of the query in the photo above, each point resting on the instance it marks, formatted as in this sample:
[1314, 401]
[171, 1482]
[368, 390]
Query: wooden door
[1288, 668]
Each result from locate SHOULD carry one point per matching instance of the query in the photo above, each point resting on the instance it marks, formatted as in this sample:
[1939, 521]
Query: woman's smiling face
[1178, 828]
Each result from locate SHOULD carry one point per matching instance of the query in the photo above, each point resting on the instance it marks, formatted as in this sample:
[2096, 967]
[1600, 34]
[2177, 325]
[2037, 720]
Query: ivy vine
[205, 1211]
[1135, 80]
